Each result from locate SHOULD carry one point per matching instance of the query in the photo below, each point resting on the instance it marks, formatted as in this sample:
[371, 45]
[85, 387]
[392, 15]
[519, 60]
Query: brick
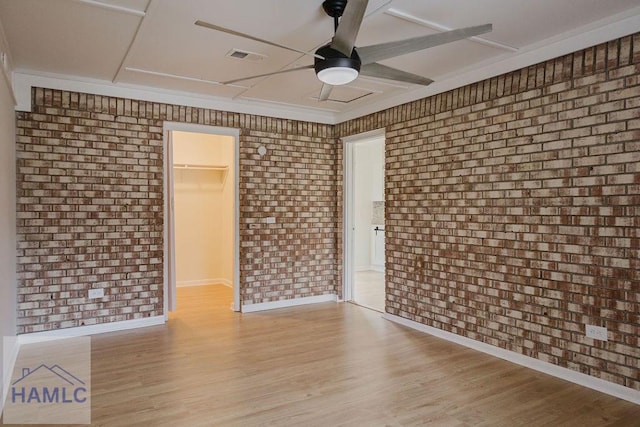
[511, 208]
[96, 145]
[562, 195]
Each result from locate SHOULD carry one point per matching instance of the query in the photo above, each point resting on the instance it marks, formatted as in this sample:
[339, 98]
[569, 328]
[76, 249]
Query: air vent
[244, 55]
[238, 55]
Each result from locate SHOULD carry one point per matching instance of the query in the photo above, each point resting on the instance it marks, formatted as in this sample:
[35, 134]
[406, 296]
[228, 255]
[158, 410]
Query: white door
[364, 221]
[377, 246]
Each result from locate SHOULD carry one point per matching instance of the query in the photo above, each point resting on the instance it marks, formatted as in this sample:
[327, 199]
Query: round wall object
[262, 150]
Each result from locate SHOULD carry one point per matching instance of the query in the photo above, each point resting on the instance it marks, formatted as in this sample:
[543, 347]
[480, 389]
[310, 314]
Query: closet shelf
[212, 174]
[201, 167]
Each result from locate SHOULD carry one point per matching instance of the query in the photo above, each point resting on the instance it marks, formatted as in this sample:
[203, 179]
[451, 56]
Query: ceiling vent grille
[245, 55]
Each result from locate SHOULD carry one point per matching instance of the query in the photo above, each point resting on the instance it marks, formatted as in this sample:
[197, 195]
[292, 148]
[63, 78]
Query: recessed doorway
[364, 220]
[201, 210]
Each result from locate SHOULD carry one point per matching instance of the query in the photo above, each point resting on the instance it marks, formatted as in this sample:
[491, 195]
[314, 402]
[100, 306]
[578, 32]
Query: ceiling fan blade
[247, 36]
[345, 37]
[384, 72]
[325, 92]
[379, 52]
[267, 74]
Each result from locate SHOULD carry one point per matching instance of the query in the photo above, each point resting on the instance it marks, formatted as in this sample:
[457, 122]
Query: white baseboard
[9, 357]
[204, 282]
[579, 378]
[90, 330]
[250, 308]
[379, 268]
[225, 282]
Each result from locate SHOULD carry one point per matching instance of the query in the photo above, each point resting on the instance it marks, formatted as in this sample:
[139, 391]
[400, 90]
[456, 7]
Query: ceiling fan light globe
[337, 76]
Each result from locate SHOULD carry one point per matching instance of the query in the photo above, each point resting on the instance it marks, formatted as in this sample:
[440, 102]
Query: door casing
[169, 267]
[348, 239]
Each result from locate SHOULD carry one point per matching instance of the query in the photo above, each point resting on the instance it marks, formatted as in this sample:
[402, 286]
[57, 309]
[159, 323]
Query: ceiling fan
[340, 62]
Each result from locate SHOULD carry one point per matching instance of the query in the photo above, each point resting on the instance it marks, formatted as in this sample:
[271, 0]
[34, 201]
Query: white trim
[204, 282]
[579, 378]
[10, 361]
[366, 136]
[348, 244]
[611, 28]
[9, 357]
[236, 234]
[176, 76]
[143, 22]
[81, 331]
[196, 128]
[168, 127]
[169, 227]
[251, 308]
[442, 28]
[113, 7]
[24, 80]
[378, 268]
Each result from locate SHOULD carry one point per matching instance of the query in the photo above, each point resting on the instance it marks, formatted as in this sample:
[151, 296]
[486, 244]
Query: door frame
[169, 268]
[348, 240]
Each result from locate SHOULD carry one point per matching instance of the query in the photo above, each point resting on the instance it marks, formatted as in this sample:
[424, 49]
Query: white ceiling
[155, 44]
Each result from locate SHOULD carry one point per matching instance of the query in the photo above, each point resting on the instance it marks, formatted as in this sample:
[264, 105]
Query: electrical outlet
[596, 332]
[96, 293]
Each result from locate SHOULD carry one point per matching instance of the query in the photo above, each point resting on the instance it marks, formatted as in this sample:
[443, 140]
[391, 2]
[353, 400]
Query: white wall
[204, 213]
[8, 300]
[368, 187]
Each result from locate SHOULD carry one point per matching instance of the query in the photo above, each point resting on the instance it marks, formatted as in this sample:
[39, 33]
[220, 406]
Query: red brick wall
[90, 208]
[513, 210]
[295, 182]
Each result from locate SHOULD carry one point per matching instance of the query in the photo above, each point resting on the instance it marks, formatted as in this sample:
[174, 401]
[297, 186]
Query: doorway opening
[364, 220]
[201, 210]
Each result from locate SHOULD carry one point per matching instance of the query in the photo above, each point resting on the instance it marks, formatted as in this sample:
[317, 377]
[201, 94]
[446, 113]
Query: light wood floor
[320, 365]
[368, 289]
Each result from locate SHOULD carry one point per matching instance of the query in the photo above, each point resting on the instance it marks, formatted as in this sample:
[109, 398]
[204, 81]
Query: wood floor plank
[320, 365]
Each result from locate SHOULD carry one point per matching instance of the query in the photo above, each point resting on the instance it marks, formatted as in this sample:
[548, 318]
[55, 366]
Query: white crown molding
[575, 377]
[251, 308]
[24, 80]
[614, 27]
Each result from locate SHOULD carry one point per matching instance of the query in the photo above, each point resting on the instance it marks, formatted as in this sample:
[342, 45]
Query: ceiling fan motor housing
[334, 59]
[334, 8]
